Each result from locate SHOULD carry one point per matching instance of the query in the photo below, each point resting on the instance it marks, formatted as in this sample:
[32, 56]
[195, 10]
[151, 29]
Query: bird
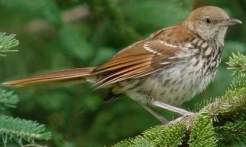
[163, 70]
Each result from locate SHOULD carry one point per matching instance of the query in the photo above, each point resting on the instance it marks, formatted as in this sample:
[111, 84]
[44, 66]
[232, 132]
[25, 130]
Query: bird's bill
[231, 22]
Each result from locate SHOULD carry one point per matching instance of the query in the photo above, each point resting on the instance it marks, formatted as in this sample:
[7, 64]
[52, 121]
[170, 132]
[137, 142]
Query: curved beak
[231, 22]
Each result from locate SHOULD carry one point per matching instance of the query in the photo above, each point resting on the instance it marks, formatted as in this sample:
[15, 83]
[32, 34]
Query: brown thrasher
[163, 70]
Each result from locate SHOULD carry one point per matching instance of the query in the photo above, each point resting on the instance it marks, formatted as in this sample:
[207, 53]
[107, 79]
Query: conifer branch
[7, 99]
[165, 135]
[7, 42]
[237, 62]
[19, 130]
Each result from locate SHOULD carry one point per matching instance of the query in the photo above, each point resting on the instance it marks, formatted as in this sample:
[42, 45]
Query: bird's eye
[208, 20]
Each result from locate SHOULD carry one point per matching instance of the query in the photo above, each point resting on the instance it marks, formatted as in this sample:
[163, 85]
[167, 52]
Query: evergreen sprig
[237, 62]
[7, 42]
[7, 99]
[232, 131]
[202, 133]
[238, 85]
[20, 130]
[166, 136]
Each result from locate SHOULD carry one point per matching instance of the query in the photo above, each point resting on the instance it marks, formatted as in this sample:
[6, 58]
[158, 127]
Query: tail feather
[64, 75]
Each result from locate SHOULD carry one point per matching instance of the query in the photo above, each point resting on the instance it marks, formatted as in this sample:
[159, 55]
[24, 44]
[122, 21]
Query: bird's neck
[217, 37]
[220, 37]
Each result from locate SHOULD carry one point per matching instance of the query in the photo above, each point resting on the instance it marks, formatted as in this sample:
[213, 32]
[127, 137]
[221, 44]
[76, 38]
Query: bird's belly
[173, 85]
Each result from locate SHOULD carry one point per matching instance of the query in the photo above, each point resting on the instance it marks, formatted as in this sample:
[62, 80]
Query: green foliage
[20, 130]
[166, 136]
[238, 86]
[7, 42]
[228, 113]
[202, 132]
[231, 132]
[16, 129]
[41, 8]
[134, 11]
[7, 99]
[237, 63]
[74, 43]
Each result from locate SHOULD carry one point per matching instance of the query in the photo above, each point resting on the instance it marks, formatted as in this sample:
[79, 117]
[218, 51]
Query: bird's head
[210, 23]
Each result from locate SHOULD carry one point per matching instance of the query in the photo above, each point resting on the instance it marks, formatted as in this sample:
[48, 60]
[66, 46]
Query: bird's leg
[170, 108]
[155, 114]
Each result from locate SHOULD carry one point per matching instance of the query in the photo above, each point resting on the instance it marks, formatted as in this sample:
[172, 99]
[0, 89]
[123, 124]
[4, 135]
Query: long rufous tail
[64, 75]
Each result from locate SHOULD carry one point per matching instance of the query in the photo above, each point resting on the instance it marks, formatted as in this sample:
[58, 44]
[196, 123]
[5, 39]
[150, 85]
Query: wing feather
[124, 72]
[123, 64]
[138, 60]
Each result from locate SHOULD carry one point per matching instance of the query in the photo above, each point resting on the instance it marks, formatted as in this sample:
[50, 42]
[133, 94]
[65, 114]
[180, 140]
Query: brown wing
[140, 59]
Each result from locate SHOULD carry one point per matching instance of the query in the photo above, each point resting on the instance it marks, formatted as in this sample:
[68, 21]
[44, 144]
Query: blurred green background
[59, 34]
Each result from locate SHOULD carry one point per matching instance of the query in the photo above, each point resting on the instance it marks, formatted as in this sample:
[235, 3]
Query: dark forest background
[60, 34]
